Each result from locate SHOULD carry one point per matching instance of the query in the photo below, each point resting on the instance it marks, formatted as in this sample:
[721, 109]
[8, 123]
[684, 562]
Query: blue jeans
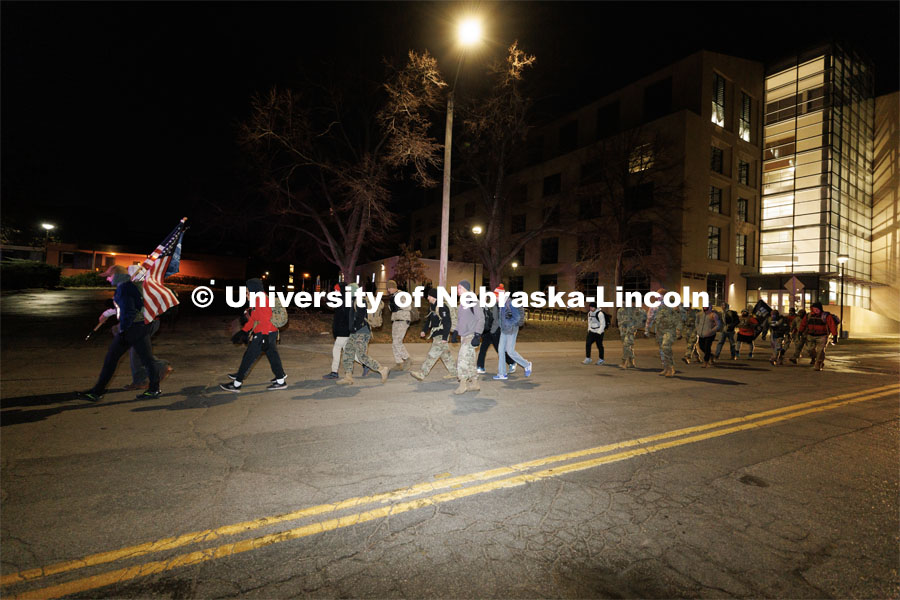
[508, 349]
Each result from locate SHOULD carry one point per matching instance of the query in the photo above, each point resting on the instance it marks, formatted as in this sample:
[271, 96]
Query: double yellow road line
[460, 487]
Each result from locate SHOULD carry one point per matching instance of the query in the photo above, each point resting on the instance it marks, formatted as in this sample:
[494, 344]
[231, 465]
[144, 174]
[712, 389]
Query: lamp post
[476, 231]
[48, 227]
[468, 32]
[842, 260]
[303, 286]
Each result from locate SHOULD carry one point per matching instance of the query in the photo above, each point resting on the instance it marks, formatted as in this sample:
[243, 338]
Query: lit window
[741, 251]
[715, 199]
[641, 158]
[712, 242]
[718, 100]
[744, 128]
[742, 210]
[743, 172]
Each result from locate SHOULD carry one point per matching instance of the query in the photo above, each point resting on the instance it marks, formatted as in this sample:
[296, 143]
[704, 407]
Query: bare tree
[631, 201]
[409, 269]
[327, 158]
[495, 126]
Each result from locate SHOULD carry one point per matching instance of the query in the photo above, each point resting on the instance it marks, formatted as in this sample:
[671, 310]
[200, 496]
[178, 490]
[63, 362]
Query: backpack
[608, 321]
[375, 319]
[413, 314]
[279, 315]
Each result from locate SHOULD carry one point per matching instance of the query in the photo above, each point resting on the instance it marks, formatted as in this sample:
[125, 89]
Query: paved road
[581, 481]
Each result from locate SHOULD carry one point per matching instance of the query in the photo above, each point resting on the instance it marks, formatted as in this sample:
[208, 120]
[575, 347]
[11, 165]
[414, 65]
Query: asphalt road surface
[743, 480]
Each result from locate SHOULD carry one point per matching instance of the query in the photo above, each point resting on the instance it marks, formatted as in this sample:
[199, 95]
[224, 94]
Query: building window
[588, 282]
[718, 100]
[715, 287]
[516, 284]
[552, 184]
[568, 137]
[585, 250]
[716, 160]
[642, 238]
[588, 207]
[549, 251]
[547, 280]
[608, 120]
[744, 127]
[641, 158]
[740, 254]
[432, 242]
[636, 281]
[518, 223]
[743, 172]
[712, 242]
[742, 209]
[470, 210]
[551, 215]
[715, 199]
[639, 197]
[658, 99]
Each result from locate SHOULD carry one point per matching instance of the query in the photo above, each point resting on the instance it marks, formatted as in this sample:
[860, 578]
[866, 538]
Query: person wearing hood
[437, 327]
[340, 331]
[708, 325]
[358, 341]
[132, 332]
[729, 322]
[260, 335]
[491, 334]
[818, 326]
[469, 327]
[779, 332]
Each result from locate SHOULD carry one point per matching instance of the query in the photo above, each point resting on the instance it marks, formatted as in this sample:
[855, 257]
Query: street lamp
[476, 231]
[305, 277]
[468, 33]
[842, 260]
[47, 228]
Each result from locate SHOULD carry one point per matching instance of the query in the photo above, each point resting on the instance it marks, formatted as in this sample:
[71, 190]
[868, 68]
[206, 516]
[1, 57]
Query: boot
[670, 372]
[664, 371]
[624, 364]
[686, 360]
[631, 364]
[417, 375]
[472, 385]
[819, 366]
[347, 380]
[461, 389]
[397, 367]
[705, 365]
[407, 362]
[384, 373]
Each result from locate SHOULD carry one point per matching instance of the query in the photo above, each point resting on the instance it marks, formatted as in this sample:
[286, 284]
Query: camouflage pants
[627, 335]
[466, 361]
[817, 345]
[800, 342]
[779, 346]
[398, 332]
[690, 341]
[440, 349]
[356, 347]
[666, 338]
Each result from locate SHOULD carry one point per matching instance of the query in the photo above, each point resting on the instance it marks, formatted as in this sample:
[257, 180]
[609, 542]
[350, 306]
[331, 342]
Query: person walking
[358, 341]
[131, 332]
[437, 327]
[708, 325]
[340, 331]
[470, 325]
[491, 334]
[818, 326]
[260, 335]
[510, 321]
[729, 322]
[798, 338]
[689, 333]
[400, 320]
[747, 330]
[779, 331]
[630, 319]
[596, 323]
[666, 322]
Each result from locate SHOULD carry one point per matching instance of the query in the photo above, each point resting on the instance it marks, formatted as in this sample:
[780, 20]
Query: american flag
[161, 263]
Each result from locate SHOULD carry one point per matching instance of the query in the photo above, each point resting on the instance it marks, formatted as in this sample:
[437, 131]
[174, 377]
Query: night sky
[119, 118]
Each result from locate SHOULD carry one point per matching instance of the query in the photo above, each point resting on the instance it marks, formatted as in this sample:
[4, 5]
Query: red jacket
[259, 320]
[818, 324]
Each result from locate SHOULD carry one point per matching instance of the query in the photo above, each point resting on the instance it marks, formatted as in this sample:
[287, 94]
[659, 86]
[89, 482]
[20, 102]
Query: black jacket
[357, 318]
[340, 327]
[438, 318]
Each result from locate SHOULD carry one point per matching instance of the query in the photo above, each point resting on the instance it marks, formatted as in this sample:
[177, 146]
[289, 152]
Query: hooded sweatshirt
[259, 320]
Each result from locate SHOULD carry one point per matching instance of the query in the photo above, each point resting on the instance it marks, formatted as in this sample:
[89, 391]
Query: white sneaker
[480, 370]
[586, 361]
[599, 361]
[512, 368]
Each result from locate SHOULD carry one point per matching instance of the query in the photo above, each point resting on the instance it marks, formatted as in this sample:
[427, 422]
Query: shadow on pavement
[18, 417]
[521, 385]
[471, 405]
[196, 399]
[335, 391]
[709, 380]
[37, 400]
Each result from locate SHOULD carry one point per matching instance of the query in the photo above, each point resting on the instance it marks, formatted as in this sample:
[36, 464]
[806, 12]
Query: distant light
[306, 276]
[842, 258]
[290, 287]
[112, 253]
[267, 272]
[469, 31]
[477, 230]
[212, 282]
[48, 226]
[515, 265]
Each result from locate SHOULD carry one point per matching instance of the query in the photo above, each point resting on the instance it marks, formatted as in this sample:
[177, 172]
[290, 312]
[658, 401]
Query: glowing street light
[468, 34]
[48, 226]
[477, 230]
[514, 265]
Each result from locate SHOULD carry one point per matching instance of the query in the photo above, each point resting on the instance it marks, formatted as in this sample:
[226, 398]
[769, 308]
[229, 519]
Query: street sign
[794, 285]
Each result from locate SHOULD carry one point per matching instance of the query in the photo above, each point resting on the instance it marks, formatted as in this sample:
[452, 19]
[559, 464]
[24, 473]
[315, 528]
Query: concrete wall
[456, 272]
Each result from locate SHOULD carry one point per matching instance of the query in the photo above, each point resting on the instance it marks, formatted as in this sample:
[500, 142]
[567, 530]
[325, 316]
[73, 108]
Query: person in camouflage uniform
[437, 327]
[400, 319]
[798, 338]
[630, 319]
[358, 342]
[666, 323]
[470, 325]
[689, 333]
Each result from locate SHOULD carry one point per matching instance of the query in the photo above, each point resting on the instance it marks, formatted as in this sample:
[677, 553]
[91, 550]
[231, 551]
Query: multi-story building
[707, 108]
[781, 168]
